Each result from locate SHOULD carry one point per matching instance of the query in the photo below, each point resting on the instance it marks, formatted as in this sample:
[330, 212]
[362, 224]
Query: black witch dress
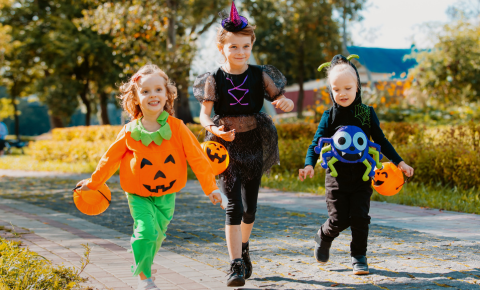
[238, 100]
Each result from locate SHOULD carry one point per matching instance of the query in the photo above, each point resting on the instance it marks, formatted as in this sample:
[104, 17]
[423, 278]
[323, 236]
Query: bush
[23, 269]
[447, 154]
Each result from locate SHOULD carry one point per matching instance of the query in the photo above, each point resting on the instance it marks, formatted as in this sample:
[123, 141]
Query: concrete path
[59, 238]
[409, 247]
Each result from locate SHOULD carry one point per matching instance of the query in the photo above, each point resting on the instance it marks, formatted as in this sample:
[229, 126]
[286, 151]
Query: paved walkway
[443, 252]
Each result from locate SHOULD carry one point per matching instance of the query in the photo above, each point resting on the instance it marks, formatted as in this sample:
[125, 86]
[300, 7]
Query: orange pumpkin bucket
[389, 180]
[92, 202]
[217, 155]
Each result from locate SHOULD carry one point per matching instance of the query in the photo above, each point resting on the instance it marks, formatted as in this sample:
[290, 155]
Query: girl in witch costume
[347, 194]
[236, 91]
[152, 152]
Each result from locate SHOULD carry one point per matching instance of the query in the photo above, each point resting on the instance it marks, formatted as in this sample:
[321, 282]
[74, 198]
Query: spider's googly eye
[360, 141]
[342, 140]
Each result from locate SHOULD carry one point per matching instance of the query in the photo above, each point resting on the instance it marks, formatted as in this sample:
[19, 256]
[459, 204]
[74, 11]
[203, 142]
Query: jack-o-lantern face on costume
[159, 179]
[217, 155]
[388, 180]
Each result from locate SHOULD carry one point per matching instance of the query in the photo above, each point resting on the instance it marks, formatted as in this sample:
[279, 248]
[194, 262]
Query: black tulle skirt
[253, 151]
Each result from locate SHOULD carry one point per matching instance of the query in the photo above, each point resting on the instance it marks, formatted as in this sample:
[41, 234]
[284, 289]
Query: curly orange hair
[129, 91]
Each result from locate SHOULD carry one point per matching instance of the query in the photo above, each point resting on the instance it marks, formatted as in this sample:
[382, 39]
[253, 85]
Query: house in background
[376, 64]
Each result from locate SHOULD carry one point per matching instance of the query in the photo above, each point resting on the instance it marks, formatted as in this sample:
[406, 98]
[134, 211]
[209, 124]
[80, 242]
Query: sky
[395, 23]
[387, 24]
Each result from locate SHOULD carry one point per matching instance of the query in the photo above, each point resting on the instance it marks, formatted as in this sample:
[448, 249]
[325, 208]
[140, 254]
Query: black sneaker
[248, 263]
[322, 250]
[236, 276]
[360, 266]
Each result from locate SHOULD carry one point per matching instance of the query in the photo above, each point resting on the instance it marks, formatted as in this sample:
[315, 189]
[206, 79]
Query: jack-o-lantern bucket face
[92, 202]
[217, 155]
[388, 180]
[156, 179]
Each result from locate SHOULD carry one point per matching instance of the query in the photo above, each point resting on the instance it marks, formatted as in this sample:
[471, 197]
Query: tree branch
[207, 26]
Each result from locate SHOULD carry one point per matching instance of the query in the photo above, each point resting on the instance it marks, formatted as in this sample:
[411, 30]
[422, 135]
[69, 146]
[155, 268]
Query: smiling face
[151, 94]
[344, 86]
[236, 48]
[350, 143]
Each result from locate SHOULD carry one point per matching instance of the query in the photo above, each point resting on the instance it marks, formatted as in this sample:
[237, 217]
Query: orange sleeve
[197, 160]
[109, 162]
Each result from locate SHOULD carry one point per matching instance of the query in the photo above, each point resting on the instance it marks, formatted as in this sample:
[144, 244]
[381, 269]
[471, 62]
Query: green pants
[151, 216]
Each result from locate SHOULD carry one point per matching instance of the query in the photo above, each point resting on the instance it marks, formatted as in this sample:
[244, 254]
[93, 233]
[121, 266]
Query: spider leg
[334, 172]
[376, 147]
[376, 157]
[369, 171]
[326, 153]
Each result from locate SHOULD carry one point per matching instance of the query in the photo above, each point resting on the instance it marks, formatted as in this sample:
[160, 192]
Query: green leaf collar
[138, 132]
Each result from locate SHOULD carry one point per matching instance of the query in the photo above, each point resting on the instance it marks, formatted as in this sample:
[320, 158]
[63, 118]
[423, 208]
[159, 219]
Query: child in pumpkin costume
[347, 195]
[237, 91]
[152, 152]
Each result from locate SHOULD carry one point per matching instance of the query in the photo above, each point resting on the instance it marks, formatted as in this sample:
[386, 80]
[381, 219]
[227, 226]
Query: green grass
[26, 162]
[290, 182]
[415, 194]
[435, 196]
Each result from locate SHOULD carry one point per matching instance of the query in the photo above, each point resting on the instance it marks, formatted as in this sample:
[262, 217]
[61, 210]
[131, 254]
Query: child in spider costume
[236, 91]
[348, 190]
[152, 152]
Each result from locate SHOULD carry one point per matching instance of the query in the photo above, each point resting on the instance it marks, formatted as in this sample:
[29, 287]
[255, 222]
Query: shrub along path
[282, 244]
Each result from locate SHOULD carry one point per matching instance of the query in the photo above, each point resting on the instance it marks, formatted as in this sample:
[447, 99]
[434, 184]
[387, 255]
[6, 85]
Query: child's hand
[227, 136]
[307, 171]
[405, 168]
[216, 197]
[83, 185]
[283, 104]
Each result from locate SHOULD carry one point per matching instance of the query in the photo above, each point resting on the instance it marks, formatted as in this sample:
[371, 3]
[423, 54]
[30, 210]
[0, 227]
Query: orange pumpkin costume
[155, 170]
[153, 167]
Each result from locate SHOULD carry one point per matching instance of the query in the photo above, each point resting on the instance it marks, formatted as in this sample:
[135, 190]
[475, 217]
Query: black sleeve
[380, 139]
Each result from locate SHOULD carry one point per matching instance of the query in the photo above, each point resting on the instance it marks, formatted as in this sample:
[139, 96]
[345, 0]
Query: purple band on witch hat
[233, 22]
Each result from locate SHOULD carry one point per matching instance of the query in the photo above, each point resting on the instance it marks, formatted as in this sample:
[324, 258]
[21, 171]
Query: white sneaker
[147, 285]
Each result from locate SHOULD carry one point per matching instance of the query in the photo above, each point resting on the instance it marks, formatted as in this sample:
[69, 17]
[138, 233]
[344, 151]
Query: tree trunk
[86, 102]
[344, 44]
[104, 120]
[182, 110]
[301, 79]
[171, 40]
[55, 122]
[15, 115]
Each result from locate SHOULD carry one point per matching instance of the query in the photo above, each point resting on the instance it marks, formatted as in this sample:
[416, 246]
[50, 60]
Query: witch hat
[233, 22]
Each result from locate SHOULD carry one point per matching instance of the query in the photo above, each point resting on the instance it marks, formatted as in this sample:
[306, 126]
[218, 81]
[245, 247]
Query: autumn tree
[297, 36]
[74, 61]
[449, 73]
[160, 32]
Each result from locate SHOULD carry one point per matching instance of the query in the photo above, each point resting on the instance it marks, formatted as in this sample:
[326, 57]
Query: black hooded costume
[347, 195]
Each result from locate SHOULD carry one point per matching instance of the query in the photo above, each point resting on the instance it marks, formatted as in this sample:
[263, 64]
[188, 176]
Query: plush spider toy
[350, 145]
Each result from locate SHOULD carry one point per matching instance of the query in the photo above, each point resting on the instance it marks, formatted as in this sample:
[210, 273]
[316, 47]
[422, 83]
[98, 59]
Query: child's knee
[145, 230]
[249, 216]
[360, 221]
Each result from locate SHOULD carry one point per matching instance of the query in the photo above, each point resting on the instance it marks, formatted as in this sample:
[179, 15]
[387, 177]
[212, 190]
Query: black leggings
[242, 201]
[348, 208]
[2, 144]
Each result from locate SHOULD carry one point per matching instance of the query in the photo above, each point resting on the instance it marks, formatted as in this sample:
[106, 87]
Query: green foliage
[160, 32]
[449, 74]
[297, 36]
[435, 195]
[23, 269]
